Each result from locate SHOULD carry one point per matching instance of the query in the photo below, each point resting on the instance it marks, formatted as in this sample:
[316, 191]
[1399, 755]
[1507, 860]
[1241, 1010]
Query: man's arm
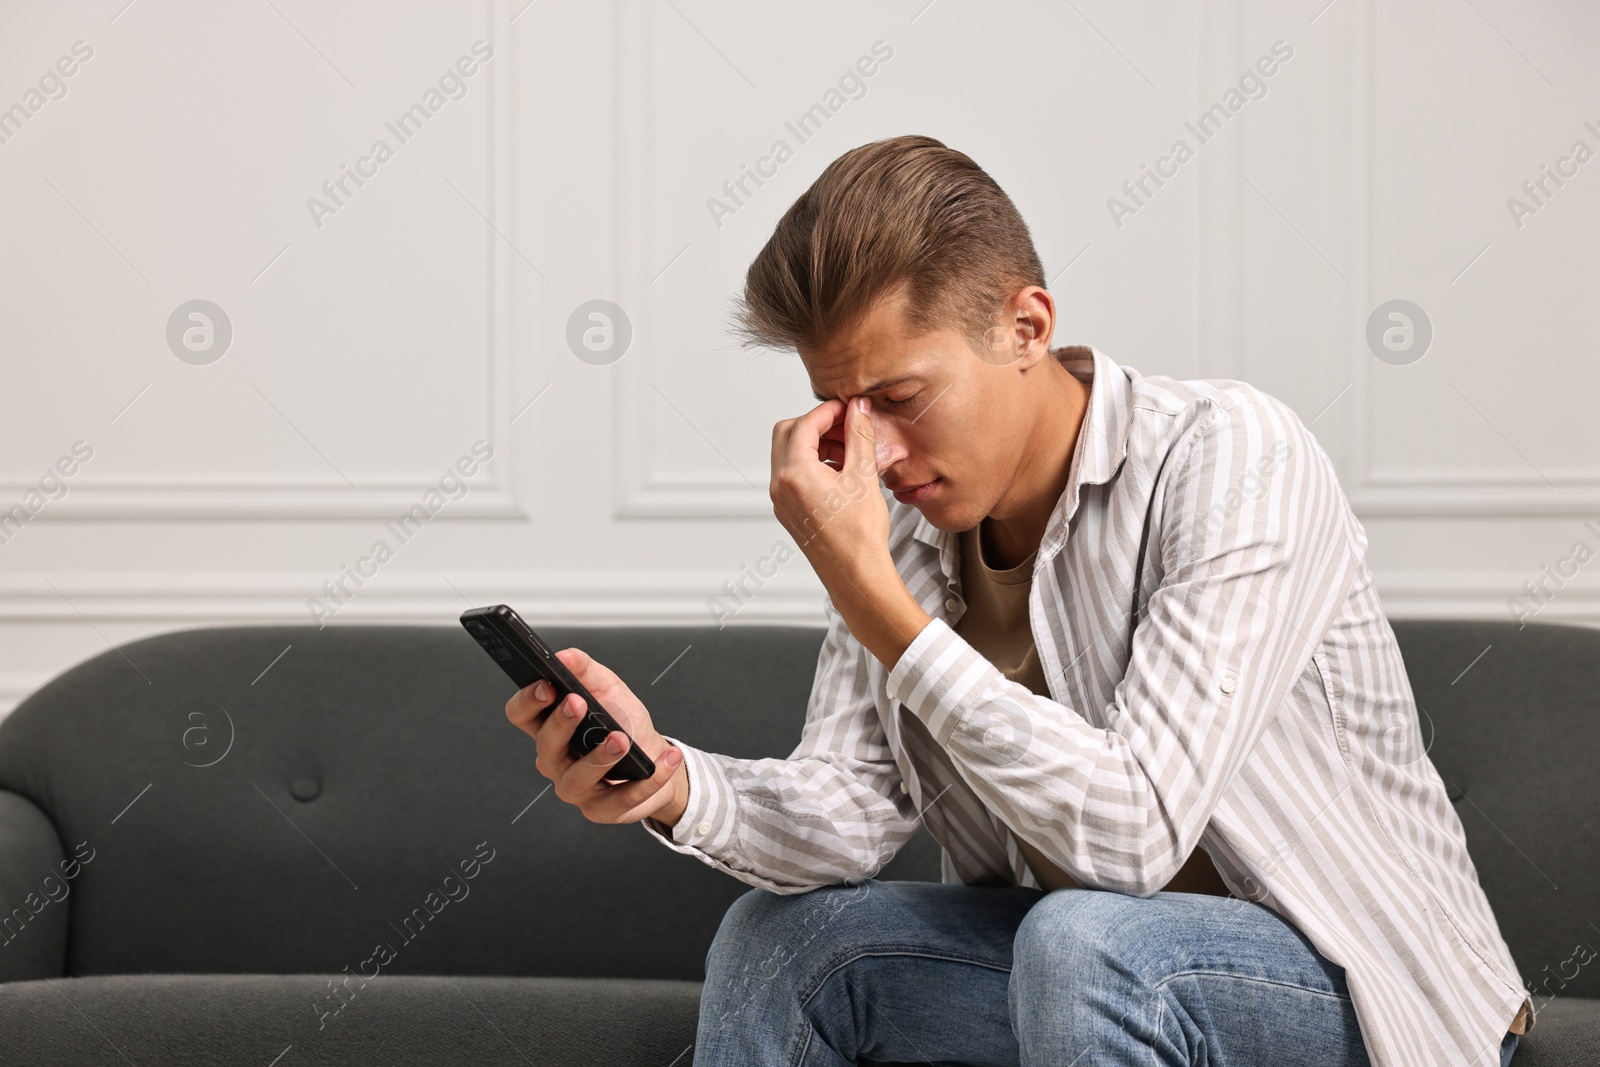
[1243, 604]
[831, 811]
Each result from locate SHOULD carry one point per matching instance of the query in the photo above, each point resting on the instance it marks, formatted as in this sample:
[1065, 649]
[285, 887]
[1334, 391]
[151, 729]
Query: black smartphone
[526, 659]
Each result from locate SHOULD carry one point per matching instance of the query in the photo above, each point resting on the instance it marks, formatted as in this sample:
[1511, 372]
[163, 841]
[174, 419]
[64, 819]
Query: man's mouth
[917, 494]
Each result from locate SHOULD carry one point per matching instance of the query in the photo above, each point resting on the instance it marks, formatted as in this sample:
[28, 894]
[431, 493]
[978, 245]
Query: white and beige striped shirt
[1221, 676]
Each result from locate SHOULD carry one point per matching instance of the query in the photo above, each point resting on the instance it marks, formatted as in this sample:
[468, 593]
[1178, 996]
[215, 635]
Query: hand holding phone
[571, 705]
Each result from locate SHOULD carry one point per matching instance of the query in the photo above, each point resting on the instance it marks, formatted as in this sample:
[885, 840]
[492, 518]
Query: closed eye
[903, 402]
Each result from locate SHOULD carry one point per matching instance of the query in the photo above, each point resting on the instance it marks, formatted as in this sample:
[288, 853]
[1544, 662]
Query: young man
[1114, 642]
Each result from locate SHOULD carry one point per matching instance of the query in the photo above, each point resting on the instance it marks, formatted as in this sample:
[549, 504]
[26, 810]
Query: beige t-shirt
[996, 625]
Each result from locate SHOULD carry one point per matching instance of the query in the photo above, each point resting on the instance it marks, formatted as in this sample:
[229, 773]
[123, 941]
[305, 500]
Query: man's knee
[763, 931]
[1071, 934]
[1061, 922]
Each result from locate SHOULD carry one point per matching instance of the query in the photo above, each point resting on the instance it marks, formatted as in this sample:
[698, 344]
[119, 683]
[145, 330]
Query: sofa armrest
[34, 889]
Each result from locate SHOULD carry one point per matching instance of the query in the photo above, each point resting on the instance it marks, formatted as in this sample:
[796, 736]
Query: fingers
[602, 682]
[527, 705]
[860, 437]
[607, 802]
[555, 732]
[552, 724]
[804, 434]
[583, 774]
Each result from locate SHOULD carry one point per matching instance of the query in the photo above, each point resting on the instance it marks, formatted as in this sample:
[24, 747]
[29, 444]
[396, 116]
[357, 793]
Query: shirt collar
[1101, 447]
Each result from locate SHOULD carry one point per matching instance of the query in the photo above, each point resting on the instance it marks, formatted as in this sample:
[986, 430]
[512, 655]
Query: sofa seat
[1568, 1035]
[189, 1020]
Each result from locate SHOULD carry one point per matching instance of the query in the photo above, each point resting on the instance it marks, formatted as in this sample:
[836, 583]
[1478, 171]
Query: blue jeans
[920, 972]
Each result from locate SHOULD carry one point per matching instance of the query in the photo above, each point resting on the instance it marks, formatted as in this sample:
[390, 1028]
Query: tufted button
[305, 787]
[1228, 683]
[704, 828]
[904, 788]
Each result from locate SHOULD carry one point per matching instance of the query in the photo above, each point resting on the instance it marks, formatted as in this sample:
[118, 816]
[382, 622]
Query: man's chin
[946, 515]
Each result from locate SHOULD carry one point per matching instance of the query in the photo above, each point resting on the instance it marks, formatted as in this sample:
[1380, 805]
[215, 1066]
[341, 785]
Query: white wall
[371, 351]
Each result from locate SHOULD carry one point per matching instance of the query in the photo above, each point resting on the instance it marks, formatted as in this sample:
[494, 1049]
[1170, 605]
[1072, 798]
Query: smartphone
[527, 659]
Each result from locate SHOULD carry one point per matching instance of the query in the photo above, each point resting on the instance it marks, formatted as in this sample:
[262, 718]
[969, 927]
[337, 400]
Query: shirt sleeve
[1258, 550]
[829, 813]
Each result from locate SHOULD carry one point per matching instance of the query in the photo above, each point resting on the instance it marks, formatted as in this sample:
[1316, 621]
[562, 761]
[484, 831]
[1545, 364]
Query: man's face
[948, 420]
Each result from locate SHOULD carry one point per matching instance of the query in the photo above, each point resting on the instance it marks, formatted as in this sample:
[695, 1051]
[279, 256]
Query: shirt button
[904, 788]
[704, 828]
[951, 605]
[1228, 683]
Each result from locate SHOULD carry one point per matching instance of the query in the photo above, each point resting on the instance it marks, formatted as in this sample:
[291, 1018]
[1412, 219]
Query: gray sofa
[350, 858]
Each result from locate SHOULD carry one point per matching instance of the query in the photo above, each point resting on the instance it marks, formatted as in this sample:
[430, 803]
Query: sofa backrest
[1514, 716]
[297, 819]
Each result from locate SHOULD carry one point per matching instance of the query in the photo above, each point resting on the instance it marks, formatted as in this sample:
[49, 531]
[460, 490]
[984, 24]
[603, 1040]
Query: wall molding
[606, 597]
[590, 597]
[278, 503]
[1395, 492]
[157, 603]
[641, 490]
[245, 497]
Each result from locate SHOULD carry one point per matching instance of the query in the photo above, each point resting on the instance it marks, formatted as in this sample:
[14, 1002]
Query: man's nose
[890, 448]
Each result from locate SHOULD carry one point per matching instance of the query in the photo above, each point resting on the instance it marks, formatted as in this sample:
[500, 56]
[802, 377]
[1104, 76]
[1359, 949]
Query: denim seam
[897, 952]
[1161, 1000]
[1254, 981]
[836, 968]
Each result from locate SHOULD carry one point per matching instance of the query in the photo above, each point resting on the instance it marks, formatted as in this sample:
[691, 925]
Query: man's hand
[837, 517]
[579, 782]
[841, 521]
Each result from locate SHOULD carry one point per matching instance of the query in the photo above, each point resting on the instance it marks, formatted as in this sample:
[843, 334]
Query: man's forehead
[868, 361]
[827, 390]
[859, 373]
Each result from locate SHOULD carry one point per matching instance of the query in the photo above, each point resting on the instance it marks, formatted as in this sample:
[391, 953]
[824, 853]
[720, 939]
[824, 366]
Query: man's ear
[1020, 336]
[1033, 323]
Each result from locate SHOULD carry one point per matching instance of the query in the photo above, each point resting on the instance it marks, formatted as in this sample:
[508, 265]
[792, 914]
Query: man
[1114, 642]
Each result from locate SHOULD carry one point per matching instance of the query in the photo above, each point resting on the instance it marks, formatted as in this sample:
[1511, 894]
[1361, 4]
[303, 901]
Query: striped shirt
[1221, 676]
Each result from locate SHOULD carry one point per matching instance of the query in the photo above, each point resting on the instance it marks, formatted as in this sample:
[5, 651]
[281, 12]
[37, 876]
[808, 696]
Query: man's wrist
[880, 611]
[670, 812]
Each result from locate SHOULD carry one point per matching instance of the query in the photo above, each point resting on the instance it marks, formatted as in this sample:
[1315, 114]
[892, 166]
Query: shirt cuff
[707, 823]
[925, 673]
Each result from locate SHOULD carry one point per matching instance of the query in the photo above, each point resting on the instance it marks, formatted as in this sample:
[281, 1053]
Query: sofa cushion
[213, 1019]
[1567, 1034]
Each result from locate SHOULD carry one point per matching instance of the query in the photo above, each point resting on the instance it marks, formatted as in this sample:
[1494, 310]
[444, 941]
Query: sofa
[286, 846]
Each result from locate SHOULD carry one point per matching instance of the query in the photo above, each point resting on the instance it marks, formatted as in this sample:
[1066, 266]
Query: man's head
[906, 274]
